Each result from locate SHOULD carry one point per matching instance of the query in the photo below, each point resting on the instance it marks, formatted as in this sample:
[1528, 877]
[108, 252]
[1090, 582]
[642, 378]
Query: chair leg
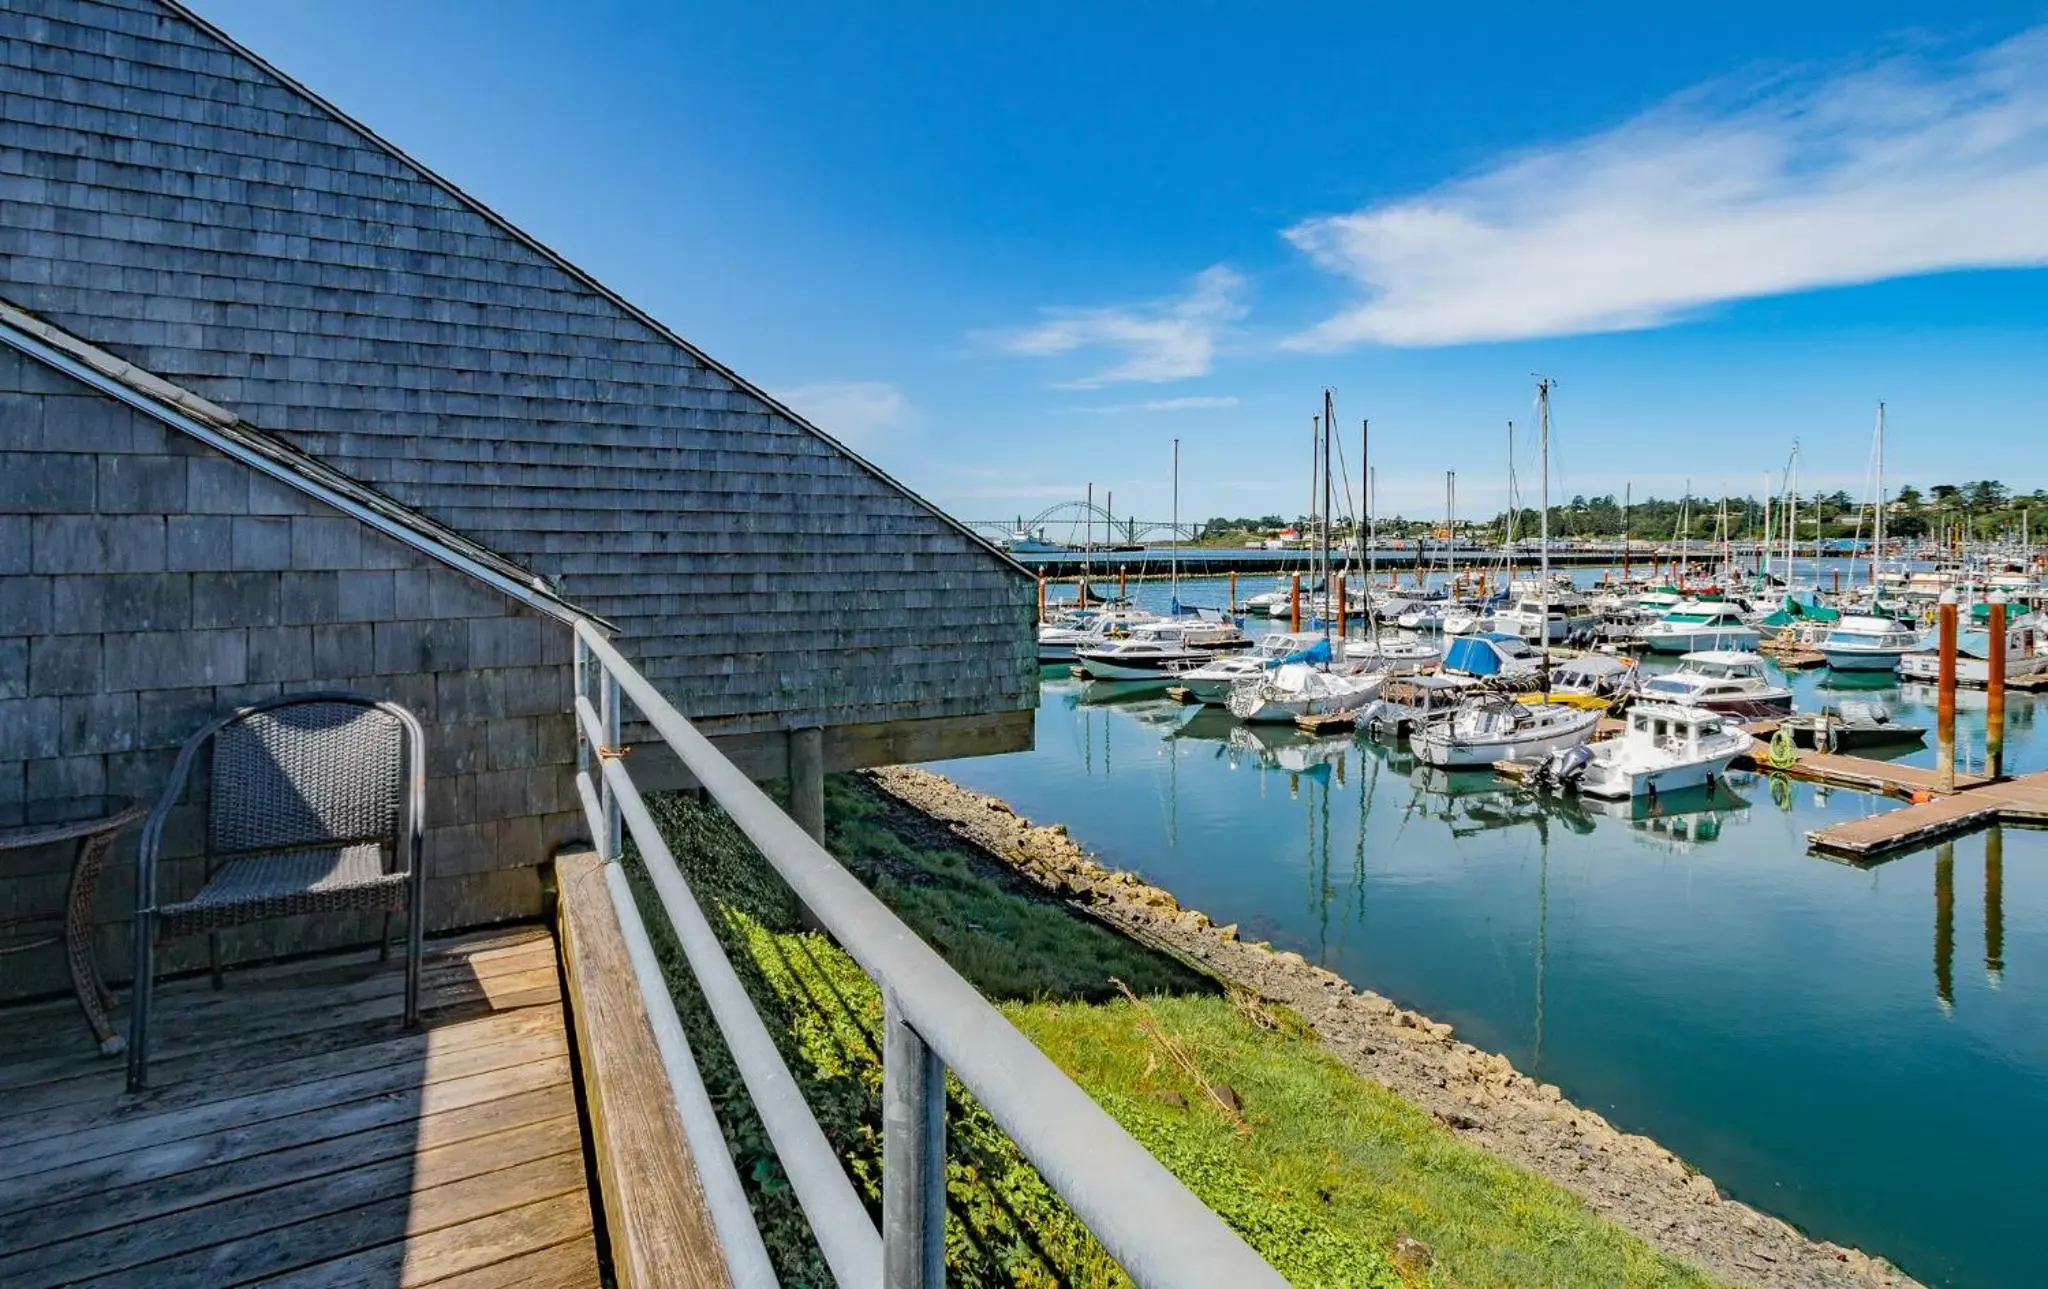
[213, 957]
[384, 940]
[138, 1002]
[414, 936]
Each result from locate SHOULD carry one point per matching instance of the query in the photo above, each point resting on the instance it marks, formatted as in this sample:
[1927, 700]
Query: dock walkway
[295, 1134]
[2018, 801]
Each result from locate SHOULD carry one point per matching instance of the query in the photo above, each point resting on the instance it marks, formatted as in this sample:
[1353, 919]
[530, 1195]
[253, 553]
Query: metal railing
[934, 1020]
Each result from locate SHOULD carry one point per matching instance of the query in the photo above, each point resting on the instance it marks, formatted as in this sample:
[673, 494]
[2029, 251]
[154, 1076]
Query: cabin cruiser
[1720, 680]
[2026, 654]
[1796, 622]
[1392, 653]
[1568, 616]
[1086, 628]
[1211, 681]
[1467, 620]
[1158, 650]
[1591, 680]
[1297, 689]
[1494, 727]
[1664, 748]
[1868, 642]
[1698, 625]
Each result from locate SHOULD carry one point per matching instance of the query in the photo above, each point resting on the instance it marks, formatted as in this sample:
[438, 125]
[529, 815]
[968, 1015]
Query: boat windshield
[1668, 685]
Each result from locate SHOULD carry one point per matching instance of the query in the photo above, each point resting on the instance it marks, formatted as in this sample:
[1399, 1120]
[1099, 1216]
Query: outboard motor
[1567, 765]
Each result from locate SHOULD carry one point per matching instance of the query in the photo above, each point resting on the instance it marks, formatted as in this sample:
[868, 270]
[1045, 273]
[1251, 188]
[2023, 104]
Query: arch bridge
[1075, 522]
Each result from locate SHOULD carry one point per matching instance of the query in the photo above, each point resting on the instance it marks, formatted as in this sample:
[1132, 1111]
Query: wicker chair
[313, 805]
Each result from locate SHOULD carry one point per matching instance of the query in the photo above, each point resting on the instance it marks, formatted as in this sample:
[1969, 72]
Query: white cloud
[1158, 340]
[1899, 168]
[856, 412]
[1192, 403]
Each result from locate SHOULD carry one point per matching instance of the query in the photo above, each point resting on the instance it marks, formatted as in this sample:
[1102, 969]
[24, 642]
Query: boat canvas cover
[1796, 611]
[1475, 655]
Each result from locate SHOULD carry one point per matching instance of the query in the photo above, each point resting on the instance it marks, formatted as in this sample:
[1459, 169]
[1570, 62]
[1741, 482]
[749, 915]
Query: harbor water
[1860, 1051]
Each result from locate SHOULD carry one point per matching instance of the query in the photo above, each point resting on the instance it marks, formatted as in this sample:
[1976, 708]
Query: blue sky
[1008, 250]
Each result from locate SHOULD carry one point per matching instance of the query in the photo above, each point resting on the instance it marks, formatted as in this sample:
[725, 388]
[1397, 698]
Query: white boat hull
[1974, 672]
[1723, 638]
[1841, 659]
[1617, 785]
[1436, 747]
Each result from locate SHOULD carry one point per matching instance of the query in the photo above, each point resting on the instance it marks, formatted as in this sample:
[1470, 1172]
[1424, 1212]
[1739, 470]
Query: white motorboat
[1497, 728]
[1158, 650]
[1663, 749]
[1567, 615]
[1423, 617]
[1727, 681]
[1697, 625]
[2026, 654]
[1211, 682]
[1868, 642]
[1296, 689]
[1088, 628]
[1467, 621]
[1392, 653]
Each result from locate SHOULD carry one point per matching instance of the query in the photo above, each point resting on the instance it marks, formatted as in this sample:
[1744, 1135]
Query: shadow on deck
[297, 1135]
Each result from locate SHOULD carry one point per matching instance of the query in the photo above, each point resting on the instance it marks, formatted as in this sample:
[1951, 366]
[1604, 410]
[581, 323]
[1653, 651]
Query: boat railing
[933, 1020]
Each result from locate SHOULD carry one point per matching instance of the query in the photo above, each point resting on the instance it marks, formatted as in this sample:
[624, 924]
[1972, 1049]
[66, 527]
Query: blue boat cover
[1472, 656]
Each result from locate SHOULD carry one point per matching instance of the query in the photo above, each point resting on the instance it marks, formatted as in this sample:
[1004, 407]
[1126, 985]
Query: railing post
[913, 1157]
[608, 714]
[582, 690]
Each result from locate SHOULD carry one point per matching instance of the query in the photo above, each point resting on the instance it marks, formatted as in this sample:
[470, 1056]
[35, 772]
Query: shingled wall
[166, 198]
[149, 583]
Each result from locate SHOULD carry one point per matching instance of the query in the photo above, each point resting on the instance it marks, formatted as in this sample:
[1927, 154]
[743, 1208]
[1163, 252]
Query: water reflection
[1945, 926]
[1994, 906]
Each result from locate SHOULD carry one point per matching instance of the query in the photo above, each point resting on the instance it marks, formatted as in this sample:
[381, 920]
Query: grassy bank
[1329, 1176]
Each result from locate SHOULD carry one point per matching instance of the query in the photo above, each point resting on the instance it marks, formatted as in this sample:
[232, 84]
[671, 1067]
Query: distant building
[280, 409]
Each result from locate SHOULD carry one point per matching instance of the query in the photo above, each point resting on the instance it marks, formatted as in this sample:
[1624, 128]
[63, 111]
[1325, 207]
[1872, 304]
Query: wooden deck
[2018, 801]
[296, 1135]
[1858, 772]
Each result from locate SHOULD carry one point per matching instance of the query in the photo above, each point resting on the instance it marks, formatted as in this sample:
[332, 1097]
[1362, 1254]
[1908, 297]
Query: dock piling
[1343, 608]
[1233, 591]
[1122, 592]
[1945, 709]
[1994, 686]
[1041, 599]
[1294, 603]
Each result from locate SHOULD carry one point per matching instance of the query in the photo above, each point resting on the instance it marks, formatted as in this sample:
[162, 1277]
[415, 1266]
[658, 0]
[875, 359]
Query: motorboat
[1158, 650]
[1868, 642]
[1087, 628]
[1851, 727]
[1728, 681]
[1697, 625]
[1591, 680]
[1424, 617]
[2026, 654]
[1494, 727]
[1211, 681]
[1568, 616]
[1392, 653]
[1663, 748]
[1467, 620]
[1297, 689]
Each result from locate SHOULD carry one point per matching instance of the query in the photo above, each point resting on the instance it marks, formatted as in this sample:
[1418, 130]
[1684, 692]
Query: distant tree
[1987, 493]
[1945, 495]
[1909, 497]
[1839, 501]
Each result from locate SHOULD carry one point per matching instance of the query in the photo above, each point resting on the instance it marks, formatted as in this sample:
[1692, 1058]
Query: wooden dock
[1979, 804]
[1327, 722]
[1858, 772]
[295, 1133]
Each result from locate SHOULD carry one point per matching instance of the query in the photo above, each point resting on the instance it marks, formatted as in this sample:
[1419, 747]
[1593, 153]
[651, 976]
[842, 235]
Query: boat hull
[1974, 672]
[1700, 641]
[1620, 785]
[1434, 748]
[1841, 659]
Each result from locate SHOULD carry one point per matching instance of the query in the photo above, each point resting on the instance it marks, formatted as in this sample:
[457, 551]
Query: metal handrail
[1155, 1228]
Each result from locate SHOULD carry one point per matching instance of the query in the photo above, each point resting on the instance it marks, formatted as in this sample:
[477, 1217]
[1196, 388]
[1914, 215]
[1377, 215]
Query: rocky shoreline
[1478, 1095]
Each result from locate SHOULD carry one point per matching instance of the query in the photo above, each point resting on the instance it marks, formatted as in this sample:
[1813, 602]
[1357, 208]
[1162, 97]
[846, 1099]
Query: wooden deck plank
[438, 1256]
[2023, 800]
[102, 1207]
[121, 1135]
[296, 1133]
[153, 1239]
[659, 1225]
[399, 1221]
[79, 1104]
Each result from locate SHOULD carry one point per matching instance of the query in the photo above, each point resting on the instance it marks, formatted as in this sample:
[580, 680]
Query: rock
[1291, 959]
[998, 805]
[1227, 932]
[1411, 1256]
[1057, 830]
[1703, 1189]
[1228, 1096]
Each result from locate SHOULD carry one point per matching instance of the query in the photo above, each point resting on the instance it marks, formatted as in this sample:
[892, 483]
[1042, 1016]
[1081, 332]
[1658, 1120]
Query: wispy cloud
[1902, 167]
[859, 413]
[1158, 340]
[1192, 403]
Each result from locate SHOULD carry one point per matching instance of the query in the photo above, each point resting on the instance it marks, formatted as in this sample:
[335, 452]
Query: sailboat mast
[1628, 488]
[1543, 606]
[1330, 608]
[1877, 547]
[1173, 573]
[1450, 528]
[1765, 571]
[1365, 478]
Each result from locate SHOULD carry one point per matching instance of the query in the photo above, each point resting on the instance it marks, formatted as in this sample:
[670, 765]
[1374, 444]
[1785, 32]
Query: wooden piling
[1945, 709]
[1233, 591]
[1341, 606]
[1121, 592]
[1294, 603]
[1994, 695]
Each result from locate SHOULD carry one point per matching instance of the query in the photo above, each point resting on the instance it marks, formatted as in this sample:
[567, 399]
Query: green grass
[1321, 1170]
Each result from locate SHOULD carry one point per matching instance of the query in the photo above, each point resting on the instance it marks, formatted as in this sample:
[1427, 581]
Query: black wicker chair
[314, 804]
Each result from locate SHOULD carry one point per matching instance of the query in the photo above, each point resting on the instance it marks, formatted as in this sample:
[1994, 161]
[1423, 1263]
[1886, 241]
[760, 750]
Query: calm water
[1861, 1052]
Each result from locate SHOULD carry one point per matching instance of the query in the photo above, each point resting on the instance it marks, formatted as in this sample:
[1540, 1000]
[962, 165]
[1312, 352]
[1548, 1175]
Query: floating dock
[1979, 805]
[1858, 772]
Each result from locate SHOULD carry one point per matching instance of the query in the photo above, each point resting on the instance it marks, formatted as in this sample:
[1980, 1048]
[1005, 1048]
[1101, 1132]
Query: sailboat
[1497, 728]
